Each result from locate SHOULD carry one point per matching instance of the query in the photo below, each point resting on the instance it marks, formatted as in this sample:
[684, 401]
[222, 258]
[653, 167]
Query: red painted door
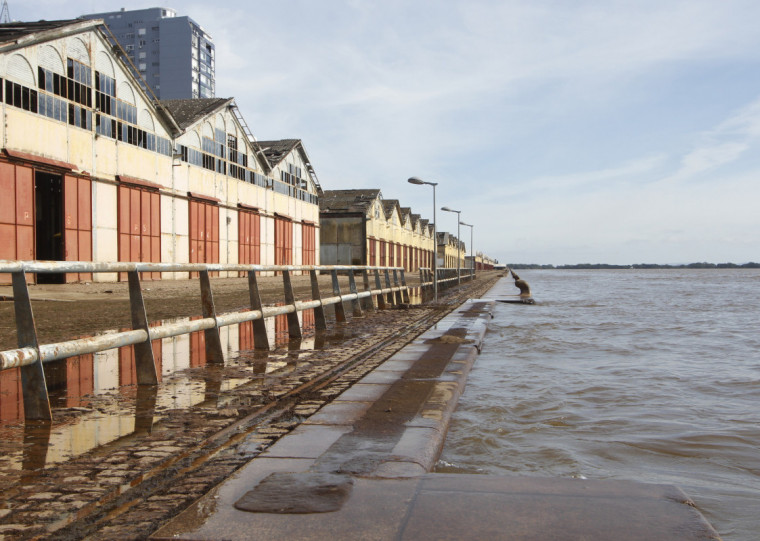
[139, 219]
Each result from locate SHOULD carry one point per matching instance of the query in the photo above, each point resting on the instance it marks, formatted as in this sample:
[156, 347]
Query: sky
[565, 131]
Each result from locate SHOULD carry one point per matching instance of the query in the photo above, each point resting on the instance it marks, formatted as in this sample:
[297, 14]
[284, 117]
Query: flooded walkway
[359, 469]
[329, 439]
[119, 460]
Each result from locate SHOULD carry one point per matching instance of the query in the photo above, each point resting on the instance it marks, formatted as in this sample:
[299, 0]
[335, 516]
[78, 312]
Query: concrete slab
[421, 445]
[386, 433]
[339, 413]
[455, 507]
[363, 392]
[382, 376]
[306, 441]
[376, 510]
[529, 509]
[397, 365]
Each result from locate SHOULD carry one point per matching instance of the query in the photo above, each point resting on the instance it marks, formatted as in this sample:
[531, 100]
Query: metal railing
[446, 278]
[30, 355]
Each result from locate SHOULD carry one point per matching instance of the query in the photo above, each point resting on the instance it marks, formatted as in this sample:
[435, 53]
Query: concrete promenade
[360, 469]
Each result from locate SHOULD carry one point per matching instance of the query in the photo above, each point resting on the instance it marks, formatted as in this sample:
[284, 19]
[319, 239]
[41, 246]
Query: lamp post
[418, 181]
[472, 247]
[459, 242]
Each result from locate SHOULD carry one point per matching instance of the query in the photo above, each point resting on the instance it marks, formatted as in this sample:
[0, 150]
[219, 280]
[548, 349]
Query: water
[651, 376]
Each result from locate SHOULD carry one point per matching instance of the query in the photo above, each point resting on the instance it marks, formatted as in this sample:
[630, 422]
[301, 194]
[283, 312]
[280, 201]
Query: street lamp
[418, 181]
[459, 242]
[472, 248]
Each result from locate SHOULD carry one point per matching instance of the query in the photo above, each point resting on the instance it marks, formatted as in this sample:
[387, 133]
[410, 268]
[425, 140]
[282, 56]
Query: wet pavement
[331, 437]
[119, 460]
[358, 469]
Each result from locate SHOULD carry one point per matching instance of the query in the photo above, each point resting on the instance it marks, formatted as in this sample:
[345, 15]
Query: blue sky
[566, 131]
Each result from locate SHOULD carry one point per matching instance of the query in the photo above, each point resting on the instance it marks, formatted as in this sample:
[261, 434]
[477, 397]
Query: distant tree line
[702, 265]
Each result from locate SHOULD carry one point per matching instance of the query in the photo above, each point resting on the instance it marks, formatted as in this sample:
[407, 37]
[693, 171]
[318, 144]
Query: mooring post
[145, 364]
[405, 292]
[33, 386]
[294, 327]
[340, 311]
[355, 305]
[396, 284]
[367, 303]
[379, 286]
[214, 352]
[320, 323]
[260, 339]
[391, 299]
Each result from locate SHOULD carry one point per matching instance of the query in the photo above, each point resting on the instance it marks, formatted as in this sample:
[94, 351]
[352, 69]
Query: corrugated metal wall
[204, 233]
[16, 213]
[249, 237]
[77, 205]
[309, 246]
[283, 241]
[139, 227]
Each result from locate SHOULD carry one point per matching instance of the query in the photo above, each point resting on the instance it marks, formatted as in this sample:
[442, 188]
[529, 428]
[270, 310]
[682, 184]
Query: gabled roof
[276, 150]
[12, 32]
[189, 111]
[389, 205]
[17, 35]
[406, 212]
[415, 220]
[337, 201]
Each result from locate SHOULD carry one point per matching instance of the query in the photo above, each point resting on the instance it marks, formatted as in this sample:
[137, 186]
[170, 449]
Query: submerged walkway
[359, 469]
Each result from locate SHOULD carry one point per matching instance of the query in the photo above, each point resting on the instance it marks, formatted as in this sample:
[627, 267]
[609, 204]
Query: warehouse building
[359, 227]
[92, 169]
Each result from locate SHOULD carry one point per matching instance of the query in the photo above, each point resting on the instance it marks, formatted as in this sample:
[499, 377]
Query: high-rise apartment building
[174, 55]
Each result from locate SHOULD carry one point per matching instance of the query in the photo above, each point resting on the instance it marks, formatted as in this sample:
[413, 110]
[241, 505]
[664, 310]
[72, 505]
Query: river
[646, 375]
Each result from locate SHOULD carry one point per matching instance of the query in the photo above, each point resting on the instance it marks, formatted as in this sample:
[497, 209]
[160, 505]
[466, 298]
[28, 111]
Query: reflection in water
[213, 376]
[145, 408]
[96, 400]
[36, 442]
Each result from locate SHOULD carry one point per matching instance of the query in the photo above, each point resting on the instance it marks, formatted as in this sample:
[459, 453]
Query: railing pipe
[30, 356]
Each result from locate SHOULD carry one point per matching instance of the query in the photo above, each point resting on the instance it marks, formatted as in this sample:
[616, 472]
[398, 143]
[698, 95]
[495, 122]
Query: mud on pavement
[127, 488]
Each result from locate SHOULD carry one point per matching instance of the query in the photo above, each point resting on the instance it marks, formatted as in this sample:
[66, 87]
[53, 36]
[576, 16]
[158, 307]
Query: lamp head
[416, 180]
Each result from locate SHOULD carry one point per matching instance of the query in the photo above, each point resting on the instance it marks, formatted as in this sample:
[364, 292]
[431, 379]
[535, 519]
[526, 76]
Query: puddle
[96, 401]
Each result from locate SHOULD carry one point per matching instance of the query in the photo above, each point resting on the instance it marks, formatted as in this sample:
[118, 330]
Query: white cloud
[722, 145]
[573, 125]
